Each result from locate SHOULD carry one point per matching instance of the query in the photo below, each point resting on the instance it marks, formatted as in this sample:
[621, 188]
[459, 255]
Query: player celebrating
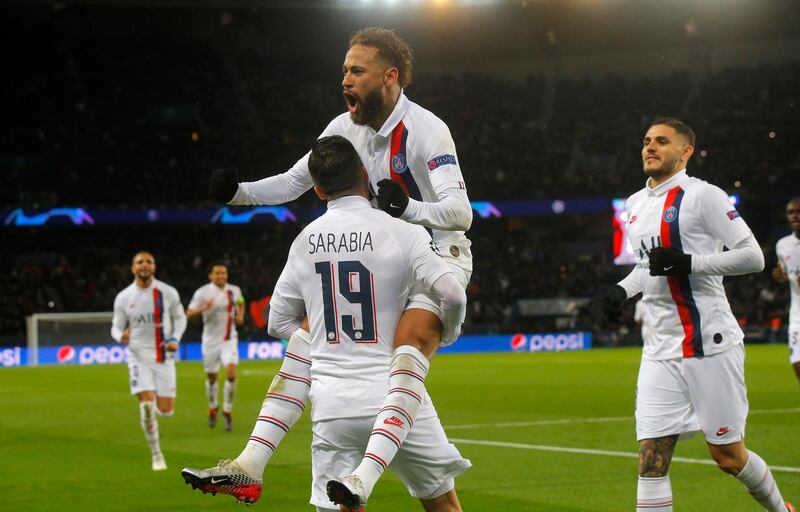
[692, 371]
[411, 162]
[351, 271]
[221, 305]
[149, 319]
[788, 269]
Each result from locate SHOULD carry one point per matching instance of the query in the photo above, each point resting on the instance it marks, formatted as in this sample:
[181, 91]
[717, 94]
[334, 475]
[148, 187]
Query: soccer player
[691, 376]
[149, 319]
[788, 269]
[414, 175]
[351, 272]
[221, 305]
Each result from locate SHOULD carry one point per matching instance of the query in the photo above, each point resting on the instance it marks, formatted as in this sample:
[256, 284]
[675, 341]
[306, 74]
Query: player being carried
[691, 377]
[149, 319]
[413, 172]
[788, 269]
[221, 305]
[351, 272]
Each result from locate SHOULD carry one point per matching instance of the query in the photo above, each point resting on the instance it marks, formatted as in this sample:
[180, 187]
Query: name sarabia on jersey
[343, 242]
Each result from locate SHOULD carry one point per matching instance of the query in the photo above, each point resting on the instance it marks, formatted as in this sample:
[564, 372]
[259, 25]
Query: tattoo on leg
[655, 456]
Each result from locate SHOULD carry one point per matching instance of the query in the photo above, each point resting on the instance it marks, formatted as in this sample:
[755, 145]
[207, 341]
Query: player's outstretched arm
[282, 188]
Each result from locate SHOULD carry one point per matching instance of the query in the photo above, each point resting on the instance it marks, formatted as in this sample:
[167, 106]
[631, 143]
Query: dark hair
[392, 49]
[217, 263]
[334, 164]
[678, 125]
[143, 251]
[795, 200]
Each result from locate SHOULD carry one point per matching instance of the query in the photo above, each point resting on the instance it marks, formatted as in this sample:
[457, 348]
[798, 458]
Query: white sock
[212, 391]
[395, 419]
[227, 396]
[654, 494]
[284, 404]
[757, 477]
[147, 415]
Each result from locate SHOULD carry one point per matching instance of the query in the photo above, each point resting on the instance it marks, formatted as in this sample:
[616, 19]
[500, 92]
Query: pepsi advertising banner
[274, 349]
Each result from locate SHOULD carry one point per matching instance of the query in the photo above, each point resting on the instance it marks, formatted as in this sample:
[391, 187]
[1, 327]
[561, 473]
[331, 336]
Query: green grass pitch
[71, 437]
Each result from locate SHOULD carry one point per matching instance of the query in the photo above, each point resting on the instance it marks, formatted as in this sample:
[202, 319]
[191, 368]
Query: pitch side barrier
[274, 349]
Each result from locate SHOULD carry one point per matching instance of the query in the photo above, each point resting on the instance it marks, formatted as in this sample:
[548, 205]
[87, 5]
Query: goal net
[56, 329]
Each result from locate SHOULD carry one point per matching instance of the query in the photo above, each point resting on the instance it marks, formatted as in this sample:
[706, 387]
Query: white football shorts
[694, 394]
[427, 463]
[219, 353]
[158, 377]
[794, 343]
[458, 259]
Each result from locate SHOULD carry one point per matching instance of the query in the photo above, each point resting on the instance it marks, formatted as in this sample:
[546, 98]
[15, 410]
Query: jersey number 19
[357, 285]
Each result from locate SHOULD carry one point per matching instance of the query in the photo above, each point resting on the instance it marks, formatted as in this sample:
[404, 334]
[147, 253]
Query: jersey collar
[395, 117]
[666, 186]
[348, 203]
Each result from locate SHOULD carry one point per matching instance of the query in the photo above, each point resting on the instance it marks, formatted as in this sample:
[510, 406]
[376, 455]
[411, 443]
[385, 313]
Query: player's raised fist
[392, 198]
[223, 184]
[669, 261]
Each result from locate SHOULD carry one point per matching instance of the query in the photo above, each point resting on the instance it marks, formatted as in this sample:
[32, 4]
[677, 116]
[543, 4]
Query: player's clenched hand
[779, 274]
[171, 344]
[669, 261]
[610, 304]
[126, 336]
[392, 198]
[223, 184]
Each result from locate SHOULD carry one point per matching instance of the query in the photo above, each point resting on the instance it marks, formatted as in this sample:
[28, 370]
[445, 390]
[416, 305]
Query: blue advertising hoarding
[274, 349]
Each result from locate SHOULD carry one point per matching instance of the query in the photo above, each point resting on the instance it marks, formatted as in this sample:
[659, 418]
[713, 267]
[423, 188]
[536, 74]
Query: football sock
[406, 392]
[212, 391]
[227, 395]
[147, 414]
[757, 477]
[654, 494]
[283, 405]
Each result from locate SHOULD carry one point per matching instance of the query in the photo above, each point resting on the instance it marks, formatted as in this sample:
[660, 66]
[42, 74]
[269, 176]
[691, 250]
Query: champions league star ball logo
[399, 163]
[670, 214]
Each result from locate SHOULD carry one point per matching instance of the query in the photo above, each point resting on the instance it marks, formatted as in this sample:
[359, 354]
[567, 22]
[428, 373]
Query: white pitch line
[588, 451]
[569, 421]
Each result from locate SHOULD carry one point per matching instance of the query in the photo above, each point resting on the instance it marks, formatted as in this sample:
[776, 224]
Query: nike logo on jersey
[722, 431]
[394, 420]
[633, 219]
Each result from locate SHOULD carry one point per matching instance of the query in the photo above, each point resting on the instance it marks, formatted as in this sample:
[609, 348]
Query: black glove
[610, 304]
[669, 261]
[392, 198]
[223, 184]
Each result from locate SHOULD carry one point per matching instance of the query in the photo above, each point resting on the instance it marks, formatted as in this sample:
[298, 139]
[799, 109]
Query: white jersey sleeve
[287, 298]
[177, 313]
[120, 319]
[197, 299]
[720, 217]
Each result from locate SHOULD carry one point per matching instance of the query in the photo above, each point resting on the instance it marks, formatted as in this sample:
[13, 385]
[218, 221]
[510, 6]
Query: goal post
[53, 329]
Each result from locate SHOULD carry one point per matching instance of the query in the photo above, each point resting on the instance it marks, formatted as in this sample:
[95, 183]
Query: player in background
[414, 175]
[351, 272]
[691, 376]
[149, 319]
[221, 305]
[788, 269]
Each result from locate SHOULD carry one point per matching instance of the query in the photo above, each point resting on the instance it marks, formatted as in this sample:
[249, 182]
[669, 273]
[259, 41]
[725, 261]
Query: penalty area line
[589, 451]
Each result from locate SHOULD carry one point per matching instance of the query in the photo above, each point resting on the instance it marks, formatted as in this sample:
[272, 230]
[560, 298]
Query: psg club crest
[399, 163]
[670, 214]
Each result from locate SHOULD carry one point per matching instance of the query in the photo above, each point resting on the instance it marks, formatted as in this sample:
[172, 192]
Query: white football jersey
[154, 315]
[219, 322]
[413, 147]
[351, 271]
[687, 316]
[788, 251]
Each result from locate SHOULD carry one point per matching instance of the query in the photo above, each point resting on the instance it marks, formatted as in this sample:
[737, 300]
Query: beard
[370, 108]
[668, 165]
